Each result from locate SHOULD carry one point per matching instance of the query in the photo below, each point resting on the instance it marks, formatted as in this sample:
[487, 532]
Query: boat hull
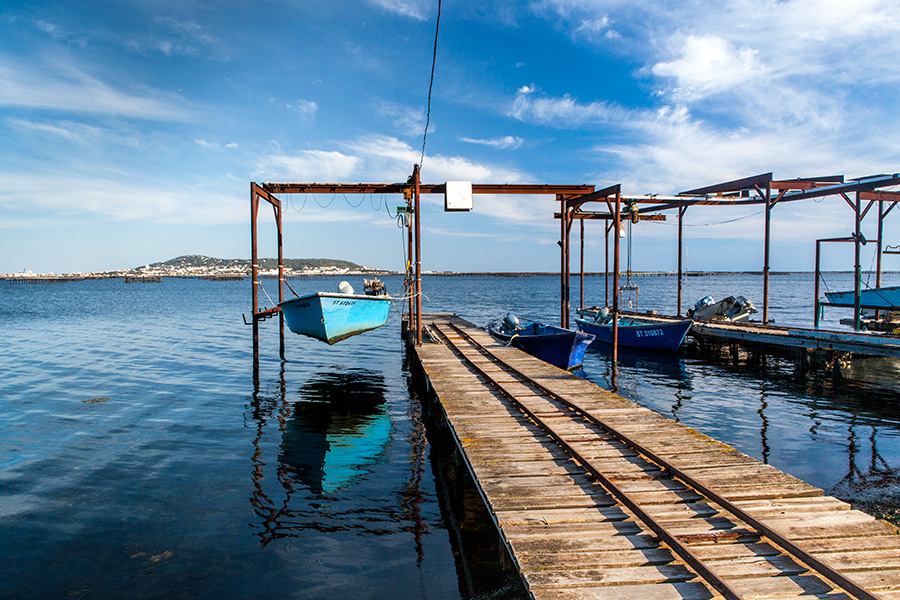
[639, 334]
[887, 297]
[334, 317]
[560, 347]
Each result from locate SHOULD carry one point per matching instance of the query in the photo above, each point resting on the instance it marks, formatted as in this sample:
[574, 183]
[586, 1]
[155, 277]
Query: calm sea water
[140, 457]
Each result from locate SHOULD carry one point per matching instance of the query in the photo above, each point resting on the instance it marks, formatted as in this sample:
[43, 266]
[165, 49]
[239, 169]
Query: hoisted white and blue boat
[332, 317]
[882, 297]
[560, 347]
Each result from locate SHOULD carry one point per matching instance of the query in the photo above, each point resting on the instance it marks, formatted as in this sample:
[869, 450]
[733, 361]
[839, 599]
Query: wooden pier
[597, 497]
[807, 346]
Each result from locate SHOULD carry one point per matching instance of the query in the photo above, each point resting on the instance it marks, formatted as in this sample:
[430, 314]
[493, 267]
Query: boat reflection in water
[337, 429]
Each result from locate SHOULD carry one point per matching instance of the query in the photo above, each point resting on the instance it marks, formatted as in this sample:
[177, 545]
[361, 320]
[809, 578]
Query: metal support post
[615, 307]
[816, 287]
[254, 273]
[606, 227]
[768, 239]
[418, 221]
[857, 270]
[581, 267]
[563, 252]
[681, 211]
[280, 280]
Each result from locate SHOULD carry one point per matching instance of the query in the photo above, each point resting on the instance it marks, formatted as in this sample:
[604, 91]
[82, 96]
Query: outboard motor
[602, 315]
[345, 288]
[510, 322]
[700, 304]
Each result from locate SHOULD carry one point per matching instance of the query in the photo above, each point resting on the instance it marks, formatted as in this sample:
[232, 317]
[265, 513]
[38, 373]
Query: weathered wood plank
[572, 541]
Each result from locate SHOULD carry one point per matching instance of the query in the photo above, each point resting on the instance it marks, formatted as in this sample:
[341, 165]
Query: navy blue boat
[635, 332]
[563, 348]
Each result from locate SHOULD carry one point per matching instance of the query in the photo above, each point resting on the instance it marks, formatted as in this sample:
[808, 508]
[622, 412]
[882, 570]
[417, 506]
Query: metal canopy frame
[412, 191]
[757, 189]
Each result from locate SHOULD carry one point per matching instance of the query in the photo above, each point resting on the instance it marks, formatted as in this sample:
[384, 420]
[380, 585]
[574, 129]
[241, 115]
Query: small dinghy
[332, 317]
[634, 332]
[732, 308]
[560, 347]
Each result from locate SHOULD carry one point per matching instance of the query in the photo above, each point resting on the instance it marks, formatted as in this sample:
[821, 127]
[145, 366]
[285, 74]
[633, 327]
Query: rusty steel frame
[753, 190]
[256, 192]
[415, 189]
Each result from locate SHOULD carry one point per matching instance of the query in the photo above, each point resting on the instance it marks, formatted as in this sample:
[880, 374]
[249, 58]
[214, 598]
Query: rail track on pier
[737, 554]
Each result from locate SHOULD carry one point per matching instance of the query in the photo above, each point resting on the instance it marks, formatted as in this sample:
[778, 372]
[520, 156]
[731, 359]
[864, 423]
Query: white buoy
[345, 288]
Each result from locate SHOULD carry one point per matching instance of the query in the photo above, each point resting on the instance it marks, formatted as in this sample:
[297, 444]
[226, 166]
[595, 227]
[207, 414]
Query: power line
[437, 28]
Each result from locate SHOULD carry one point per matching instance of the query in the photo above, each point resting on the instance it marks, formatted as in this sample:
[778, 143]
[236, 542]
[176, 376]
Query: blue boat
[560, 347]
[634, 332]
[332, 317]
[884, 297]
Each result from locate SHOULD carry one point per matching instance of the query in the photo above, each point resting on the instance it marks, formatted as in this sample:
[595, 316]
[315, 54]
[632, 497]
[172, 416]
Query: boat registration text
[649, 333]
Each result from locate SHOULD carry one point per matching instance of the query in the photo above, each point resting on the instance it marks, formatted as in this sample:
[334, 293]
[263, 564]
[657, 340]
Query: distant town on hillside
[195, 265]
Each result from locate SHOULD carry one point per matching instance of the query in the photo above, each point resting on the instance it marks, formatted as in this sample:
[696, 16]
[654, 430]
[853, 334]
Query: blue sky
[131, 129]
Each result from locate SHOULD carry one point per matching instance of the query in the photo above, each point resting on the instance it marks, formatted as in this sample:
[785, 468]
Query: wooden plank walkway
[571, 539]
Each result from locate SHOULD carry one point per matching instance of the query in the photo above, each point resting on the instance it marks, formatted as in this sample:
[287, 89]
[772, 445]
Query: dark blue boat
[635, 332]
[563, 348]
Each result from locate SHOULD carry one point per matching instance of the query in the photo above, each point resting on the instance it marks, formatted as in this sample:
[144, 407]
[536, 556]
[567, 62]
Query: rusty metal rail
[448, 330]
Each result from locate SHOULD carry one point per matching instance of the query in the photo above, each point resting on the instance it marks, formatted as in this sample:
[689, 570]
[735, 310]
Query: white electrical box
[458, 196]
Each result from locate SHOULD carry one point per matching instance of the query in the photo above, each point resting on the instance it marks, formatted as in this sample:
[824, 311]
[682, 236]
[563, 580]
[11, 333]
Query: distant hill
[196, 260]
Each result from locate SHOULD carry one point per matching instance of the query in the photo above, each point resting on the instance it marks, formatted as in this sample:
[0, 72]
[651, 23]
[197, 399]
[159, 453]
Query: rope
[291, 200]
[290, 288]
[259, 283]
[354, 205]
[714, 223]
[333, 196]
[871, 267]
[437, 27]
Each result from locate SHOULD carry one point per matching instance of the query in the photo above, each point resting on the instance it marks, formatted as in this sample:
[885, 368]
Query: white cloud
[207, 145]
[66, 86]
[214, 145]
[501, 143]
[415, 9]
[172, 37]
[565, 112]
[123, 199]
[409, 121]
[386, 159]
[89, 136]
[307, 166]
[307, 109]
[74, 132]
[708, 64]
